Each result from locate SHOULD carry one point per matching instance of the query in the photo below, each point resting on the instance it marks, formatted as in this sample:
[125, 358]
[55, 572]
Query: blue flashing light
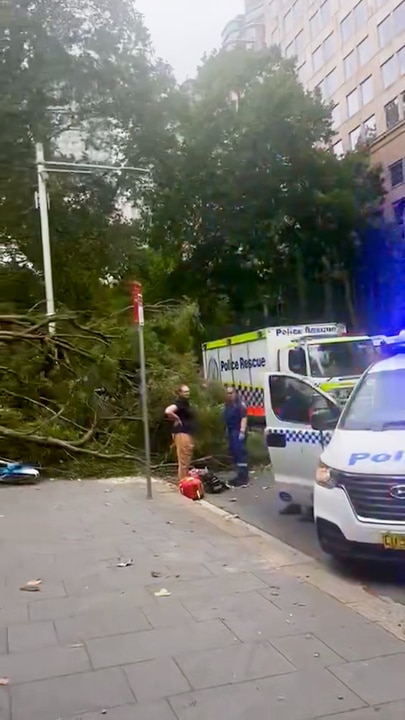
[394, 345]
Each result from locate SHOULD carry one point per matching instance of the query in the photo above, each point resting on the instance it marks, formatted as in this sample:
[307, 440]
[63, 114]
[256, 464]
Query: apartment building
[248, 29]
[354, 51]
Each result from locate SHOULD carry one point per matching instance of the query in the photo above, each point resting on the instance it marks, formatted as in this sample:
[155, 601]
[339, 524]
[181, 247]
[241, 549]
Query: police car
[357, 458]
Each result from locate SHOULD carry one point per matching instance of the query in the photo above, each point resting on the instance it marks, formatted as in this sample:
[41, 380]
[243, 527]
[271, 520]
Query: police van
[323, 352]
[356, 457]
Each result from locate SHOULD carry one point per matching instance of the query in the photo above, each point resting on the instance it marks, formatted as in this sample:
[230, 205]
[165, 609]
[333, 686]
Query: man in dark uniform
[235, 418]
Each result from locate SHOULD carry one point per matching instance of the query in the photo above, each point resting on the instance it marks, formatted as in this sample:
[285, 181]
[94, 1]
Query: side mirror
[326, 419]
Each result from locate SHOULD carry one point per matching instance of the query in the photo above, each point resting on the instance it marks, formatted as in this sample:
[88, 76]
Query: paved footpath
[251, 629]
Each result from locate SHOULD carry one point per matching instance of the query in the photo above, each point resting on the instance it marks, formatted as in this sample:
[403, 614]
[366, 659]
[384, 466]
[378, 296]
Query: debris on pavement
[32, 586]
[4, 681]
[125, 563]
[156, 574]
[162, 593]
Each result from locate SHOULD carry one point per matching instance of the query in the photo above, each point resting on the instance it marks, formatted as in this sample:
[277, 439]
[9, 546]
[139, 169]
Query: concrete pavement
[259, 505]
[249, 628]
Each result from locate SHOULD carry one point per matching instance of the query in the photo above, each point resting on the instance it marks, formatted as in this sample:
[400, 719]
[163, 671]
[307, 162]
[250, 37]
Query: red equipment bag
[192, 488]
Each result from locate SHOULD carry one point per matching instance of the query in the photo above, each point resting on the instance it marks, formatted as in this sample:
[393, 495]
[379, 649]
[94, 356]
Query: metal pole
[46, 247]
[144, 392]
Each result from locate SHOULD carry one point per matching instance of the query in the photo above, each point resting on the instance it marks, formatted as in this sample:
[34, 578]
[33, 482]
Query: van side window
[297, 361]
[293, 401]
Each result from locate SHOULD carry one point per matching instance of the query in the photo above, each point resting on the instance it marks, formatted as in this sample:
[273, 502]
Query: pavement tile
[135, 647]
[150, 711]
[95, 602]
[12, 613]
[305, 651]
[167, 612]
[31, 636]
[305, 607]
[236, 605]
[71, 696]
[380, 680]
[297, 696]
[4, 704]
[101, 624]
[49, 588]
[390, 711]
[155, 679]
[232, 665]
[43, 663]
[358, 640]
[210, 587]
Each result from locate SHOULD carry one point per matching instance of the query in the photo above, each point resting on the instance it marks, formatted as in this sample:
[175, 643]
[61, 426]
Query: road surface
[258, 505]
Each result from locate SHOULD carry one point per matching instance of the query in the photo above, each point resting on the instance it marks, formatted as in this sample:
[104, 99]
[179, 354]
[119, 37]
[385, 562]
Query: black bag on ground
[212, 483]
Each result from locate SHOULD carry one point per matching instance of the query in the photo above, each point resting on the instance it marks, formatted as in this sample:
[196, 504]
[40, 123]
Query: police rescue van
[359, 467]
[322, 352]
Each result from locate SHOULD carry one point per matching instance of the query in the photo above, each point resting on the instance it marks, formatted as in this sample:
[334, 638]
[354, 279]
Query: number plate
[393, 541]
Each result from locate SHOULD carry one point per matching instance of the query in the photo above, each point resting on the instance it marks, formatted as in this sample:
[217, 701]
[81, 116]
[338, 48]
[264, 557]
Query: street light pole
[46, 246]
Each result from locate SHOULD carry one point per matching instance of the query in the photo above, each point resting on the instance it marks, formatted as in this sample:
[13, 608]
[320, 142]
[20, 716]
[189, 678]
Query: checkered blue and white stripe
[305, 437]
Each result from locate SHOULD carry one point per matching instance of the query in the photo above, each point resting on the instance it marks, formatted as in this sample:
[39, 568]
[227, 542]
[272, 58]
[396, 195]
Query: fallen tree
[72, 397]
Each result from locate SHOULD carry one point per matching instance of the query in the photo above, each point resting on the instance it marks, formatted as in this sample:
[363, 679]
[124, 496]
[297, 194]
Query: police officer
[235, 418]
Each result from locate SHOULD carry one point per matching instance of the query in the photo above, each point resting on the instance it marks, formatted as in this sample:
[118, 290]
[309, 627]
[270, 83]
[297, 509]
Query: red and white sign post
[138, 315]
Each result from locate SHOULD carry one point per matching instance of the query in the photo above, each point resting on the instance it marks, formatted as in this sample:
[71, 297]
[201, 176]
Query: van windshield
[378, 403]
[341, 359]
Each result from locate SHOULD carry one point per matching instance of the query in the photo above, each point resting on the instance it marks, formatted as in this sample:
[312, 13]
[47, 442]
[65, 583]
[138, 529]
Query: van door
[294, 447]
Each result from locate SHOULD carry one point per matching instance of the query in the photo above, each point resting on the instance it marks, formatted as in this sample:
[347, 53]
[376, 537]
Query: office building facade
[354, 51]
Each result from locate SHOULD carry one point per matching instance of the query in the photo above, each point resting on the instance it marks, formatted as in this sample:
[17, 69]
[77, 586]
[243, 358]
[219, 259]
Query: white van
[359, 467]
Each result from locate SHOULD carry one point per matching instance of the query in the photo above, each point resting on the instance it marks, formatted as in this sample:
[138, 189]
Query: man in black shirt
[184, 427]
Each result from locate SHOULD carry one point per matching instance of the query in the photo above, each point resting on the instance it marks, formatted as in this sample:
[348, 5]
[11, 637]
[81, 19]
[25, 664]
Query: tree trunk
[327, 291]
[348, 298]
[301, 286]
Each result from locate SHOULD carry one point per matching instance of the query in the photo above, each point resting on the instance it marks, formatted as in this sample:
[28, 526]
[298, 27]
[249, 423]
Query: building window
[347, 28]
[302, 73]
[330, 83]
[389, 71]
[299, 43]
[317, 58]
[289, 51]
[338, 149]
[288, 21]
[336, 117]
[328, 47]
[364, 51]
[315, 25]
[366, 90]
[325, 12]
[396, 171]
[353, 104]
[399, 212]
[370, 128]
[360, 14]
[401, 58]
[399, 18]
[391, 110]
[385, 31]
[354, 137]
[350, 65]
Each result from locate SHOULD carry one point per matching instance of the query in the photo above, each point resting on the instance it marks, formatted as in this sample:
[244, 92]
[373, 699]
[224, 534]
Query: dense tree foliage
[244, 212]
[256, 196]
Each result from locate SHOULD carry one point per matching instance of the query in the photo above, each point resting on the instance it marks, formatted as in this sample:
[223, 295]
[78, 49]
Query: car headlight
[324, 476]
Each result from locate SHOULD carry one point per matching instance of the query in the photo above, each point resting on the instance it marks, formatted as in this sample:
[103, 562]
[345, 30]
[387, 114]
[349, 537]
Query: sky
[183, 30]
